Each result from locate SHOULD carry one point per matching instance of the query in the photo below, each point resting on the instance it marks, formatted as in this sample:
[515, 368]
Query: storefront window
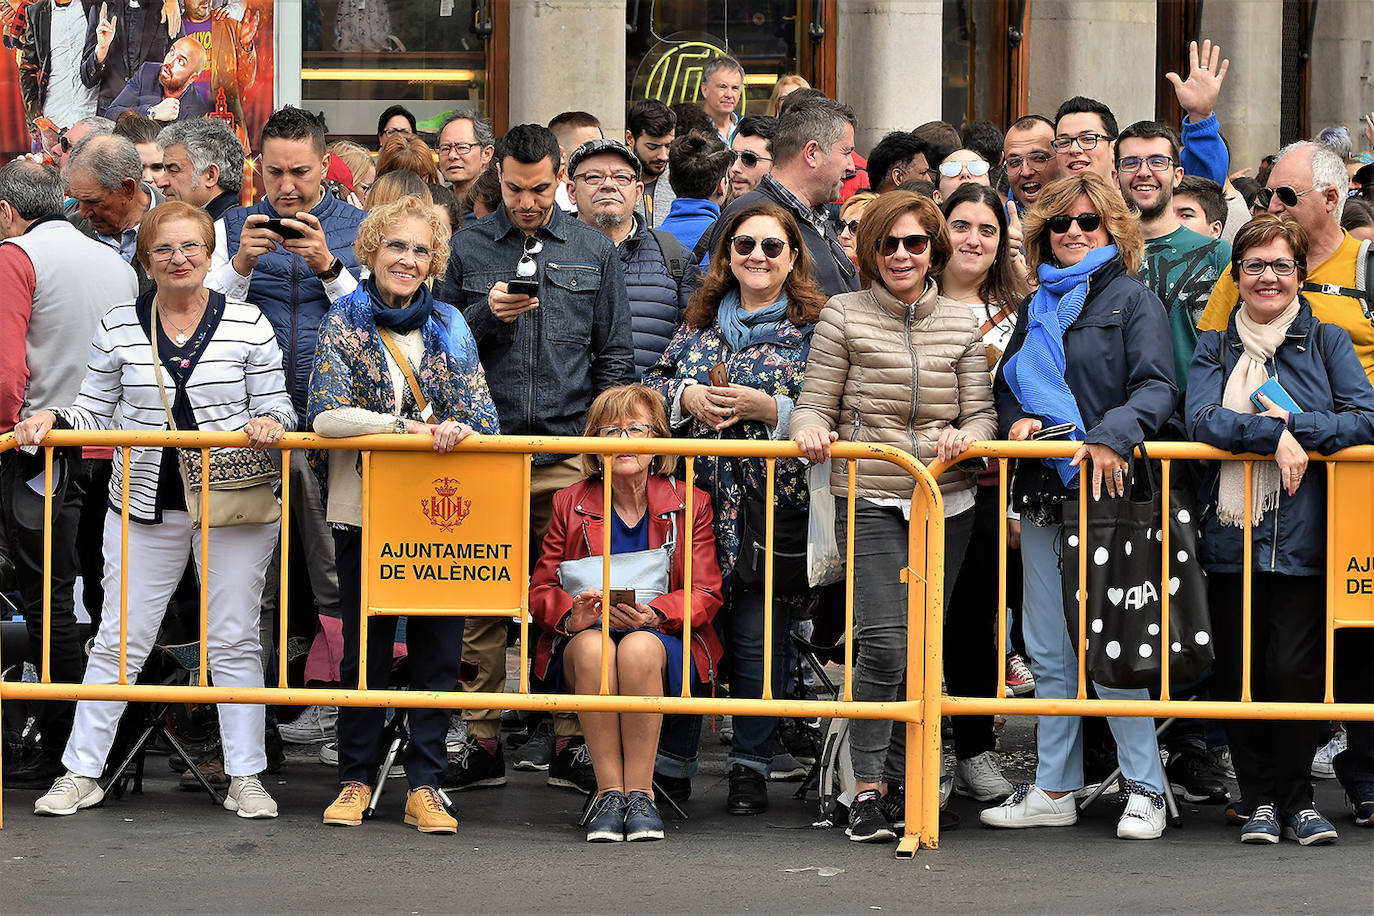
[359, 56]
[669, 41]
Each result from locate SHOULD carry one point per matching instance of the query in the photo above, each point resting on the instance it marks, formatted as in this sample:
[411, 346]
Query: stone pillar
[1341, 88]
[888, 54]
[565, 55]
[1104, 49]
[1250, 33]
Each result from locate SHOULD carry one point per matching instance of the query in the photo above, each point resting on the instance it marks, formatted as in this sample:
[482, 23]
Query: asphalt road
[518, 850]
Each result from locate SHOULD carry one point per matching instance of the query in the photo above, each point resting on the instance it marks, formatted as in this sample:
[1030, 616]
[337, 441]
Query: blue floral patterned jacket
[776, 367]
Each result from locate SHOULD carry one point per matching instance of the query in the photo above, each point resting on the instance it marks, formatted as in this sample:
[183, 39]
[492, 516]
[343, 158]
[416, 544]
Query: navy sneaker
[1361, 798]
[1309, 828]
[1262, 827]
[571, 768]
[642, 821]
[607, 823]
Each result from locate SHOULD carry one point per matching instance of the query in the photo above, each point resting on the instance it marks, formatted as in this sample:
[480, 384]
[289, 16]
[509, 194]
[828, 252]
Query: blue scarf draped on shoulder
[742, 329]
[1035, 373]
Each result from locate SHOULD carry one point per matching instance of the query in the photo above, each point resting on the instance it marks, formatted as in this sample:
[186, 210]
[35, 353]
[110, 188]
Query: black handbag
[790, 528]
[1124, 544]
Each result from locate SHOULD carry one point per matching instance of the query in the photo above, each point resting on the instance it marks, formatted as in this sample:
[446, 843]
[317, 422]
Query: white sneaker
[314, 725]
[981, 778]
[69, 794]
[1029, 806]
[456, 735]
[247, 798]
[1324, 761]
[1143, 818]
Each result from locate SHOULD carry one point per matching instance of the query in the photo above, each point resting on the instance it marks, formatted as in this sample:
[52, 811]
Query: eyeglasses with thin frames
[1131, 164]
[188, 250]
[633, 431]
[1086, 141]
[461, 149]
[621, 180]
[400, 249]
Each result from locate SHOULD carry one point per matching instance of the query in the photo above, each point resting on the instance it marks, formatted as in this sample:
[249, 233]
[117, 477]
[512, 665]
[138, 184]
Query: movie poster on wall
[168, 60]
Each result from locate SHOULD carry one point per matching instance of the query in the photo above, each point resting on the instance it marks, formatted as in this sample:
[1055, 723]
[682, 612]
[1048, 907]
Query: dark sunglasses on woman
[1060, 224]
[744, 246]
[914, 244]
[850, 226]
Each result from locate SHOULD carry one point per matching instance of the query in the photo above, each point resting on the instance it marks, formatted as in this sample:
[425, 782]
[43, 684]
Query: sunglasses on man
[1286, 195]
[749, 159]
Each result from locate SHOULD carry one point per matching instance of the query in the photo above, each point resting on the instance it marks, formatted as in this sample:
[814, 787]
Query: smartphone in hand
[719, 375]
[283, 230]
[1057, 431]
[621, 596]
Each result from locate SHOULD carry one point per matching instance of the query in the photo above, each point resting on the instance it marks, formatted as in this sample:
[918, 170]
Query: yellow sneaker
[348, 808]
[425, 810]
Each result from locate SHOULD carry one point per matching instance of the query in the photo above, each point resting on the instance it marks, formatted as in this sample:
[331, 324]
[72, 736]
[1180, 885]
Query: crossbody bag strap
[157, 365]
[996, 319]
[426, 411]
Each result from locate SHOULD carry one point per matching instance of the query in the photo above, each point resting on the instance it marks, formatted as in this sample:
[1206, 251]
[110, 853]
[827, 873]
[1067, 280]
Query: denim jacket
[546, 366]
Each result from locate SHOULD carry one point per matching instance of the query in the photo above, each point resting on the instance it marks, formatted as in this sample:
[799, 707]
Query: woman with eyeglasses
[217, 363]
[391, 359]
[1091, 350]
[1276, 382]
[897, 364]
[961, 167]
[648, 511]
[733, 370]
[847, 228]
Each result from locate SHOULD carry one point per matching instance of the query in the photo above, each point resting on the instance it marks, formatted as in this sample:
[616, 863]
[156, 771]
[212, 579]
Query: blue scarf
[403, 320]
[742, 329]
[1035, 373]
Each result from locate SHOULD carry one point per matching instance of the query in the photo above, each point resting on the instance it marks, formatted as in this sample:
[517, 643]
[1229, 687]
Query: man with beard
[166, 92]
[1181, 266]
[649, 131]
[1028, 156]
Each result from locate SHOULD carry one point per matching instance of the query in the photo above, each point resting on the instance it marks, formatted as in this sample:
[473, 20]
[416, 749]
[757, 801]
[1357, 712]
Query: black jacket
[35, 57]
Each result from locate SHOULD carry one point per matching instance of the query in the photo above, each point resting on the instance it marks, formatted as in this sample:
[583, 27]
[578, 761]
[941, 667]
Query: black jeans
[94, 478]
[434, 658]
[23, 515]
[1355, 684]
[1273, 760]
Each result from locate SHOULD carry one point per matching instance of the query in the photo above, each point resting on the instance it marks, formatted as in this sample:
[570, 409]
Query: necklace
[184, 332]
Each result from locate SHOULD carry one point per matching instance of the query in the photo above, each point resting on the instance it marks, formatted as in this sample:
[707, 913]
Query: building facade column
[1250, 33]
[568, 55]
[1341, 88]
[889, 64]
[1104, 49]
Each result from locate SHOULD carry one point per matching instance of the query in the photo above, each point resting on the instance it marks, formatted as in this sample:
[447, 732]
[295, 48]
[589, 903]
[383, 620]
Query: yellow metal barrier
[923, 574]
[1353, 536]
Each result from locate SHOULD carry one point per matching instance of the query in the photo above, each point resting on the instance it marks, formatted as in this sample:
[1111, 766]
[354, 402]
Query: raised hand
[171, 16]
[104, 33]
[1206, 70]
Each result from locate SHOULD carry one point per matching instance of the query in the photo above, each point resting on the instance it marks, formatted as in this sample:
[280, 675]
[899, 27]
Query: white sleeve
[223, 278]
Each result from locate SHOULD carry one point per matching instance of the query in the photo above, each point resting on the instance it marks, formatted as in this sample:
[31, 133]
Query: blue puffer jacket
[1317, 366]
[289, 293]
[656, 299]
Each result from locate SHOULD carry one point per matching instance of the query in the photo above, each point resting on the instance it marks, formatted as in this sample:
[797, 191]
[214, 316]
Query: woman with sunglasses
[897, 364]
[848, 226]
[1115, 390]
[961, 167]
[1329, 406]
[391, 359]
[734, 370]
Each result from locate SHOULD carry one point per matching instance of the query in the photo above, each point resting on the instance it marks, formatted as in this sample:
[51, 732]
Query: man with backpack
[604, 180]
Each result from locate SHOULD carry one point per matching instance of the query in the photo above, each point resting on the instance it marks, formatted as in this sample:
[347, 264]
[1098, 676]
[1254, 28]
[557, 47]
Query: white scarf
[1251, 371]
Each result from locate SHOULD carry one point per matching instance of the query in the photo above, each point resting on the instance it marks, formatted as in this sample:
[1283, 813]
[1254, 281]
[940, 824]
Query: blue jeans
[1054, 662]
[752, 744]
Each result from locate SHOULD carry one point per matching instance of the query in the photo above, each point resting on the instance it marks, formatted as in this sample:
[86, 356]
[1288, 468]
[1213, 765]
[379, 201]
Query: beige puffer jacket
[880, 371]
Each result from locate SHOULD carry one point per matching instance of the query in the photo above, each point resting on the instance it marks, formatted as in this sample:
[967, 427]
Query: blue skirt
[672, 648]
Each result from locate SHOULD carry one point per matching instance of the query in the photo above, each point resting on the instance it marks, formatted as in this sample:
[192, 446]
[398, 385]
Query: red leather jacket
[576, 532]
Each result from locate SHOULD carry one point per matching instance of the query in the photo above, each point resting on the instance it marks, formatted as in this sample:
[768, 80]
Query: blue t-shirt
[629, 538]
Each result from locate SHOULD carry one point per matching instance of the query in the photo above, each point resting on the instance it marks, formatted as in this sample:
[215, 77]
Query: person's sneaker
[868, 822]
[37, 772]
[748, 792]
[455, 736]
[784, 767]
[1262, 826]
[69, 794]
[1020, 681]
[1030, 806]
[1222, 762]
[571, 768]
[212, 768]
[315, 724]
[1193, 777]
[1323, 762]
[678, 788]
[800, 739]
[247, 798]
[1309, 828]
[1143, 818]
[1360, 795]
[537, 752]
[894, 806]
[642, 820]
[607, 821]
[981, 778]
[425, 811]
[347, 810]
[473, 767]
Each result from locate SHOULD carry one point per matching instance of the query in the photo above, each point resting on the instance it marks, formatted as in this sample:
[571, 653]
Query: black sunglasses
[850, 226]
[744, 246]
[1286, 195]
[914, 244]
[1060, 224]
[750, 159]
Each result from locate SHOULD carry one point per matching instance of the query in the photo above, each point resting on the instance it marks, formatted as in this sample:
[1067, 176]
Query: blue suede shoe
[1309, 828]
[1262, 827]
[642, 821]
[607, 823]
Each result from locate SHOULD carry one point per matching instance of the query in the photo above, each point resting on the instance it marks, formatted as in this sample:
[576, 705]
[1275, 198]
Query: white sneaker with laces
[1030, 806]
[69, 794]
[313, 726]
[247, 798]
[981, 778]
[1143, 818]
[455, 736]
[1324, 761]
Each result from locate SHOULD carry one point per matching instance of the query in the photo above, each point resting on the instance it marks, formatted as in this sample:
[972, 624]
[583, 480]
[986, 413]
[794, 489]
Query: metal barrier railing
[1001, 453]
[923, 574]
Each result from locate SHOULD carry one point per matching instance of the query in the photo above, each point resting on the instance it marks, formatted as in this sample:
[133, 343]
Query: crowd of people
[710, 277]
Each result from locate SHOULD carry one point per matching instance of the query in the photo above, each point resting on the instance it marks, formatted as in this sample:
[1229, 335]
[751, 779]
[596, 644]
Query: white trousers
[239, 556]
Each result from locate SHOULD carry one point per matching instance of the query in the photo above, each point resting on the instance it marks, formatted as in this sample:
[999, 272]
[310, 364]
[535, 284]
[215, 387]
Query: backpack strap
[674, 253]
[703, 244]
[1362, 291]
